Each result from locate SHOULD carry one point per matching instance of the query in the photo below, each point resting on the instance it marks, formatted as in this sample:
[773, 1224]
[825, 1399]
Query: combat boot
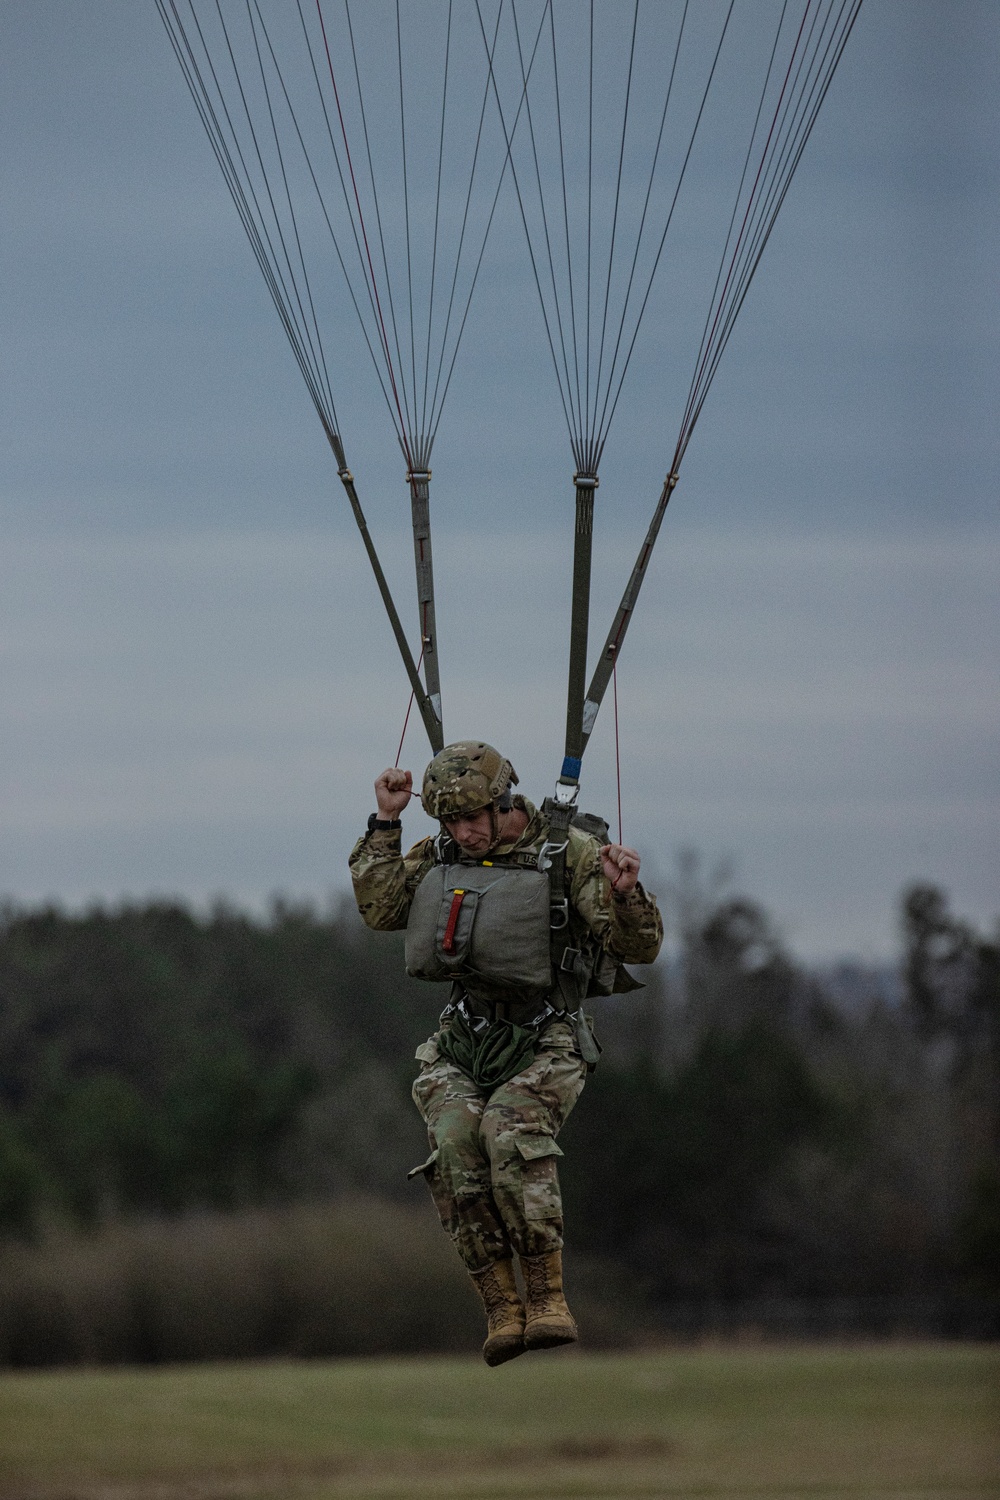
[504, 1311]
[549, 1320]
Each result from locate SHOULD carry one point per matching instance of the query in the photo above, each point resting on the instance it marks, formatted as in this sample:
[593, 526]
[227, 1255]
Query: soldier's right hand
[393, 790]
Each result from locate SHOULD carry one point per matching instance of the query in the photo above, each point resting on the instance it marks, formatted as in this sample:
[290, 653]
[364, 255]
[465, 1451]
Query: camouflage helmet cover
[464, 777]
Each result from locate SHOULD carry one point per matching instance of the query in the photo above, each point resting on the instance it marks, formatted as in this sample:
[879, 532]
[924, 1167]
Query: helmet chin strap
[503, 804]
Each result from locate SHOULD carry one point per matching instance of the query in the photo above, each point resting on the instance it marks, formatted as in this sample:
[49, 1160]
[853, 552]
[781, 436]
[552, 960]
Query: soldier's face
[473, 833]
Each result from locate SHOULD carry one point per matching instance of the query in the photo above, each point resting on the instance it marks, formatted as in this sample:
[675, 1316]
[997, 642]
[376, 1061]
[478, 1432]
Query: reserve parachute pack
[481, 921]
[506, 922]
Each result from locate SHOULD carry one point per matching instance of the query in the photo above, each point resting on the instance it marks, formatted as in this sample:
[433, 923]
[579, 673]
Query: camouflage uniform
[492, 1169]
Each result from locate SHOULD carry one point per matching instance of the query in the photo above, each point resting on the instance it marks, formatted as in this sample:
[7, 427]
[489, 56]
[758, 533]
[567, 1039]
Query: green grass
[910, 1422]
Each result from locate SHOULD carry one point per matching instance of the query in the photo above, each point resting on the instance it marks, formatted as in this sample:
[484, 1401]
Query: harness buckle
[568, 960]
[559, 915]
[460, 1007]
[545, 853]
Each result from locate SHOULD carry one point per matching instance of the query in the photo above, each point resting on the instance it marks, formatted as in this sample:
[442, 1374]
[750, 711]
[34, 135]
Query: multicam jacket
[627, 928]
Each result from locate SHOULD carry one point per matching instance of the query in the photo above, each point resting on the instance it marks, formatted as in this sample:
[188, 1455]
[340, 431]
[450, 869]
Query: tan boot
[504, 1312]
[549, 1320]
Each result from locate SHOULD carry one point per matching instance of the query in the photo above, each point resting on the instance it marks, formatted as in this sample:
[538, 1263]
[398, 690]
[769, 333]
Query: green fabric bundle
[489, 1057]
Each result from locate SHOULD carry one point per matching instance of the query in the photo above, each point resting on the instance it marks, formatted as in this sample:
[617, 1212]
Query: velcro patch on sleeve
[534, 1147]
[424, 1167]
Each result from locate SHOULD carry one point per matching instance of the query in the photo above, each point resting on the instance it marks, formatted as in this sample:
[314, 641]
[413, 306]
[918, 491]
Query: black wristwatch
[382, 825]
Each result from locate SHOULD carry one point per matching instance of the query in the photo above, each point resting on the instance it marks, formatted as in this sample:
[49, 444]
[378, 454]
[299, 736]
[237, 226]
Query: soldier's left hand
[621, 866]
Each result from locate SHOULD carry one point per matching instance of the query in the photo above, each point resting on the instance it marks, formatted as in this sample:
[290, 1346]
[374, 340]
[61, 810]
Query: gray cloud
[207, 712]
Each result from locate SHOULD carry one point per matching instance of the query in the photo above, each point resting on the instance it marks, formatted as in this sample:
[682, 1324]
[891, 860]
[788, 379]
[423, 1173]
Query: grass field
[910, 1422]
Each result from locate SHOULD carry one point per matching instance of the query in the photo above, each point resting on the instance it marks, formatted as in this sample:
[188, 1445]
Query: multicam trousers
[492, 1169]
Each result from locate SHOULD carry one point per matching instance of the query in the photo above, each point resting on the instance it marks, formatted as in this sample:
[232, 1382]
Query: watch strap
[383, 825]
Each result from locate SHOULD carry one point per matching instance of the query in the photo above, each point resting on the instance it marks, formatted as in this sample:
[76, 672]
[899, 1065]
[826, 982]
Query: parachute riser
[583, 546]
[623, 616]
[420, 511]
[432, 722]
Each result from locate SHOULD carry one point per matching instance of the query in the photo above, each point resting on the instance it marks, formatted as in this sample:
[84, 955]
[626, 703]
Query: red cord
[409, 707]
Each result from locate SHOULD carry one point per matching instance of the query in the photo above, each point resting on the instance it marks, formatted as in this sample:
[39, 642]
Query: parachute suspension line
[718, 300]
[287, 277]
[587, 434]
[418, 478]
[792, 155]
[508, 139]
[590, 380]
[437, 223]
[416, 432]
[575, 390]
[406, 214]
[415, 407]
[227, 151]
[574, 421]
[437, 401]
[565, 205]
[738, 195]
[589, 409]
[224, 141]
[307, 158]
[819, 43]
[585, 481]
[364, 233]
[585, 450]
[407, 422]
[607, 420]
[369, 288]
[614, 217]
[261, 140]
[420, 444]
[326, 212]
[604, 423]
[312, 320]
[585, 441]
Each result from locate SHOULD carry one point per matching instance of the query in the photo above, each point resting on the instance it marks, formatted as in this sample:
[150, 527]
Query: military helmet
[464, 777]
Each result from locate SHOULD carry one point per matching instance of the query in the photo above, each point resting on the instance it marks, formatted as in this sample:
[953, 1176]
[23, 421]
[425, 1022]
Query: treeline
[152, 1060]
[754, 1129]
[770, 1132]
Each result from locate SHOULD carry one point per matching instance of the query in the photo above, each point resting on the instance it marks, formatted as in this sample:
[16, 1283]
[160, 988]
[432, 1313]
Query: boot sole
[499, 1351]
[549, 1337]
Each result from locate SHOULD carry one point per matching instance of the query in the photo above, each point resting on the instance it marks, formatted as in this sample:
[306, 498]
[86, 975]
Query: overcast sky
[198, 684]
